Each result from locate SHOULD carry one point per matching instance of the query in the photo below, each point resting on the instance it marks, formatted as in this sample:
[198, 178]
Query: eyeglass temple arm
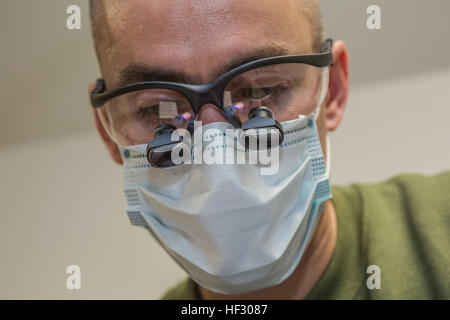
[327, 46]
[100, 87]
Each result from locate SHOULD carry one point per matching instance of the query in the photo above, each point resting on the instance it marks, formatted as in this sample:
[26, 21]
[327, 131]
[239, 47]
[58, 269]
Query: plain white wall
[394, 126]
[62, 202]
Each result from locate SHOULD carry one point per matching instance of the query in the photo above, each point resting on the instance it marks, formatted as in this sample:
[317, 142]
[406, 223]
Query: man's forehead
[183, 12]
[194, 36]
[135, 72]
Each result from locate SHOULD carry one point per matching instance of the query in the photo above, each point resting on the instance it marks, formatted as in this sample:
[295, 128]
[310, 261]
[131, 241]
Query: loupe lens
[161, 151]
[161, 157]
[261, 131]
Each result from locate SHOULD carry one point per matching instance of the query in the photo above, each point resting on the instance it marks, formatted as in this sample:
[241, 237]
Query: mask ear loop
[323, 92]
[325, 85]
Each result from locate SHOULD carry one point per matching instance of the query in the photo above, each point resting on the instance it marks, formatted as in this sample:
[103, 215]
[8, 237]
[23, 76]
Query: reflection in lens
[238, 106]
[179, 119]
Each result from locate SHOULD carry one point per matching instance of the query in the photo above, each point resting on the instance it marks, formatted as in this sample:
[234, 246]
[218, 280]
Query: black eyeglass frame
[212, 92]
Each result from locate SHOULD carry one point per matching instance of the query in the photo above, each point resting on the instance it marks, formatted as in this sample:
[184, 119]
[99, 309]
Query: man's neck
[308, 272]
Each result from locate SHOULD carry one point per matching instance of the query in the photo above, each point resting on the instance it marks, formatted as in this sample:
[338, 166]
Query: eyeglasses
[281, 87]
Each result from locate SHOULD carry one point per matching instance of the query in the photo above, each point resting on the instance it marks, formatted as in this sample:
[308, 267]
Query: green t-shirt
[401, 225]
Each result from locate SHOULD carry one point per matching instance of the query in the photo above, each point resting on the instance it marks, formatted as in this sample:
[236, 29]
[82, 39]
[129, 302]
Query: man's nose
[210, 113]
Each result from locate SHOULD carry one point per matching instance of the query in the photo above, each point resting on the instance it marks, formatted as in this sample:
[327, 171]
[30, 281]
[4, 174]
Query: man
[397, 231]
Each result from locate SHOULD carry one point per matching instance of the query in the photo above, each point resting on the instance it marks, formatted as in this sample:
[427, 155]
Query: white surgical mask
[230, 228]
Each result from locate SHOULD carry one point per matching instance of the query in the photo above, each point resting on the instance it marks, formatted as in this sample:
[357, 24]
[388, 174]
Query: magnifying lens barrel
[159, 150]
[261, 130]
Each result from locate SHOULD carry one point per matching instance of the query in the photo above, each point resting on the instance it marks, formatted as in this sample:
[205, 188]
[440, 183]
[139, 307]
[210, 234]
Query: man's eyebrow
[139, 72]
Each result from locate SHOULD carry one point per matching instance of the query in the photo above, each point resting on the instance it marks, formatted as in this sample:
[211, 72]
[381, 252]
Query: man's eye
[151, 111]
[261, 93]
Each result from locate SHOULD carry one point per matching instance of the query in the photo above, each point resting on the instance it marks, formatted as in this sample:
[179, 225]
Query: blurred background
[61, 200]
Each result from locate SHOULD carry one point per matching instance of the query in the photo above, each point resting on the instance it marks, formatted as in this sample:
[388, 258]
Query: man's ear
[338, 87]
[110, 145]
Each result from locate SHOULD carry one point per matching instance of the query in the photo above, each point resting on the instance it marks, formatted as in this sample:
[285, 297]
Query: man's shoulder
[404, 200]
[402, 226]
[183, 290]
[428, 185]
[415, 191]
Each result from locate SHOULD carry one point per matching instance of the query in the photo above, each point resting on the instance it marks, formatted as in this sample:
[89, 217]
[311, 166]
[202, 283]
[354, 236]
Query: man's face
[197, 38]
[195, 41]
